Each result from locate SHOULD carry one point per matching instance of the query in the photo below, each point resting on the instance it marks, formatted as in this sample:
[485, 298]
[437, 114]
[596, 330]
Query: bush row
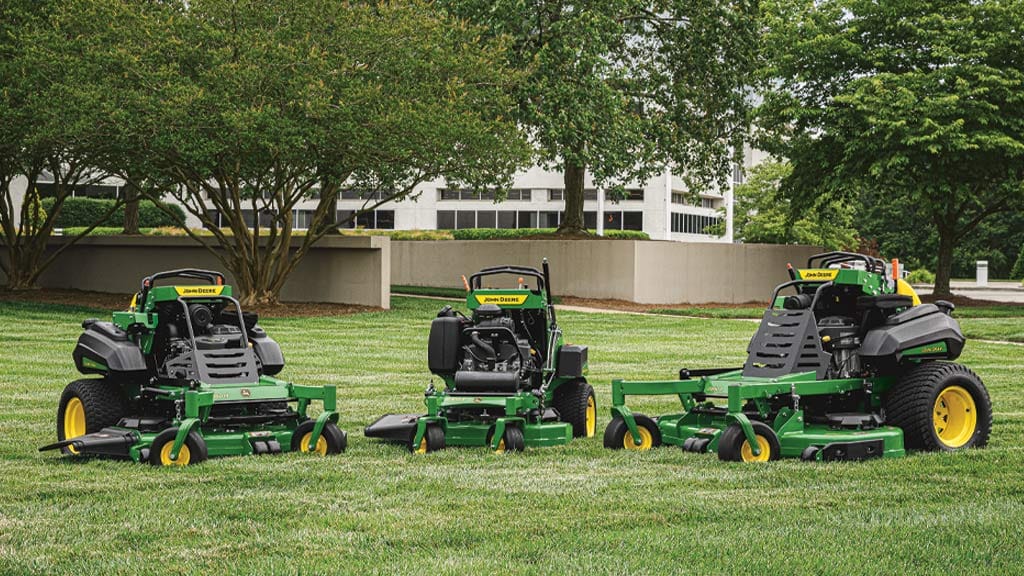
[500, 233]
[84, 212]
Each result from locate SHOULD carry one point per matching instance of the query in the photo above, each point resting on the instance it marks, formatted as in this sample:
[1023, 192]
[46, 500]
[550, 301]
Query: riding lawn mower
[509, 381]
[851, 366]
[185, 374]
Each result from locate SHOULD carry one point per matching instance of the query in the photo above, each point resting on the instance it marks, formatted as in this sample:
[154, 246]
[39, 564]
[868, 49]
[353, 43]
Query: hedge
[76, 212]
[1018, 268]
[921, 276]
[500, 233]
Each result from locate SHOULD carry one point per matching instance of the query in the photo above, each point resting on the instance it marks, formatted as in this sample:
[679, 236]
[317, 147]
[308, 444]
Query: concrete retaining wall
[349, 270]
[647, 272]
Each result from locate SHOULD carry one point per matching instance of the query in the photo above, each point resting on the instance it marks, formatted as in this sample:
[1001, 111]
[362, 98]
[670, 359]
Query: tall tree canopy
[243, 108]
[623, 88]
[921, 100]
[47, 134]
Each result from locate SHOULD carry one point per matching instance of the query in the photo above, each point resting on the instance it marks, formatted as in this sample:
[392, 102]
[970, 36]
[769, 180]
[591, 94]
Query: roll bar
[475, 279]
[210, 276]
[827, 259]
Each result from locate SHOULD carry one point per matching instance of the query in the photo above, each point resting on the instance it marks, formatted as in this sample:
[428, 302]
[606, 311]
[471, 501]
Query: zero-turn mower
[849, 367]
[509, 381]
[185, 374]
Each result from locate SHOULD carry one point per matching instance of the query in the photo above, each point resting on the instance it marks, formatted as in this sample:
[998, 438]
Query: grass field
[578, 509]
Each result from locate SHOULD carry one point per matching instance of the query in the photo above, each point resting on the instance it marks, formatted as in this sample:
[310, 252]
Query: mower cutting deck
[509, 381]
[850, 367]
[185, 374]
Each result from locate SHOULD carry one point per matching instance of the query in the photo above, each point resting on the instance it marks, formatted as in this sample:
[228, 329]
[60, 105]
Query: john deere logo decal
[198, 290]
[822, 275]
[933, 348]
[246, 393]
[502, 299]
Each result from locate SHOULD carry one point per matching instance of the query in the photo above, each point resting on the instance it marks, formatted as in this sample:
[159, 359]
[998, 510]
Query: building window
[506, 219]
[738, 177]
[527, 220]
[446, 220]
[301, 219]
[486, 219]
[372, 220]
[468, 194]
[555, 194]
[550, 219]
[465, 219]
[692, 223]
[362, 194]
[632, 220]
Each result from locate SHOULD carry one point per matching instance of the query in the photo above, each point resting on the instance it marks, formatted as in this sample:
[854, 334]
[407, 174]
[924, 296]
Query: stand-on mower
[509, 381]
[185, 374]
[852, 366]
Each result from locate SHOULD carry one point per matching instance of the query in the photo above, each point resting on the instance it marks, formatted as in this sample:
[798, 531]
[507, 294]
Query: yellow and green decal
[819, 275]
[501, 299]
[199, 290]
[927, 349]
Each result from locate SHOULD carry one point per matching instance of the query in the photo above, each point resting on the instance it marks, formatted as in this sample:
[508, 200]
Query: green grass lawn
[576, 509]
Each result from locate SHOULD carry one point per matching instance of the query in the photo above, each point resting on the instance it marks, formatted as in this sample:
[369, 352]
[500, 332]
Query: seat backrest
[786, 342]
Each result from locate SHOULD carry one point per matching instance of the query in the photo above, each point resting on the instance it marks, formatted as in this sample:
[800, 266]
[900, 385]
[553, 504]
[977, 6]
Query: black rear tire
[577, 405]
[102, 402]
[914, 405]
[617, 436]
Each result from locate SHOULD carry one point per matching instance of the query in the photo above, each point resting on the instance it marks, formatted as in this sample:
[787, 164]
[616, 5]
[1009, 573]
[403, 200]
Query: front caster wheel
[193, 451]
[733, 445]
[617, 436]
[331, 441]
[511, 441]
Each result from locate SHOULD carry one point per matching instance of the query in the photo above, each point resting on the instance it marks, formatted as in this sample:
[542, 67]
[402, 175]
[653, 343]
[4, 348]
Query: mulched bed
[106, 301]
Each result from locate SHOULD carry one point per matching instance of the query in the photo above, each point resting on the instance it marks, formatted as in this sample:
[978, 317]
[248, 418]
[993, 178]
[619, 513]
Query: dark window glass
[632, 220]
[247, 216]
[465, 219]
[386, 219]
[342, 216]
[527, 219]
[589, 194]
[613, 220]
[555, 194]
[448, 194]
[506, 219]
[445, 219]
[549, 219]
[365, 220]
[634, 194]
[485, 219]
[590, 220]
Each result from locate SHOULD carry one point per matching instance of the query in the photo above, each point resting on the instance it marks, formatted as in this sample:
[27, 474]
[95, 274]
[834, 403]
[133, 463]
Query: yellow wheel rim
[501, 447]
[321, 444]
[74, 420]
[955, 416]
[184, 456]
[422, 449]
[591, 417]
[748, 454]
[646, 440]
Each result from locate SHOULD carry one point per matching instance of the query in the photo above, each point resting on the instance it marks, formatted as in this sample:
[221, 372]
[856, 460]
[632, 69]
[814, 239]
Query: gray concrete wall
[648, 272]
[349, 270]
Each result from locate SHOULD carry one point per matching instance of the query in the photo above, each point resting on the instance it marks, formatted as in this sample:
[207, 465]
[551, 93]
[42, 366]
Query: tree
[919, 100]
[243, 109]
[764, 216]
[45, 131]
[622, 88]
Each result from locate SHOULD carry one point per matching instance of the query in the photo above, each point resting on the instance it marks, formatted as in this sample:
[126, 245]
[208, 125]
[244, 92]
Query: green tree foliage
[46, 132]
[763, 215]
[918, 100]
[1018, 268]
[242, 108]
[622, 88]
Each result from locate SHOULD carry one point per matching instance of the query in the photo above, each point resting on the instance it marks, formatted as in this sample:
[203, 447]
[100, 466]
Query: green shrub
[502, 233]
[921, 276]
[84, 212]
[1017, 273]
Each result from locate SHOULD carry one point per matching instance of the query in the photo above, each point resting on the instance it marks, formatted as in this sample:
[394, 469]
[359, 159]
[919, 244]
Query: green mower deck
[851, 367]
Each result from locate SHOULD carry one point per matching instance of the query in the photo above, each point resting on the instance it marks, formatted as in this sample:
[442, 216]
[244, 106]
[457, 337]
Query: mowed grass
[577, 509]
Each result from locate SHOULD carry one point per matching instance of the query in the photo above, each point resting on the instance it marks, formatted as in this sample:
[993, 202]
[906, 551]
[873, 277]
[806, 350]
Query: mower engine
[840, 337]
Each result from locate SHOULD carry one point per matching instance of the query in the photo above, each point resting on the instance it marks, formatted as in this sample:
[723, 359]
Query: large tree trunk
[945, 266]
[131, 209]
[572, 218]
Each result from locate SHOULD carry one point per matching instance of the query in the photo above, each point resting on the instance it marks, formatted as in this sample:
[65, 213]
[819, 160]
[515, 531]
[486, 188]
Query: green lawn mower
[851, 366]
[509, 380]
[184, 375]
